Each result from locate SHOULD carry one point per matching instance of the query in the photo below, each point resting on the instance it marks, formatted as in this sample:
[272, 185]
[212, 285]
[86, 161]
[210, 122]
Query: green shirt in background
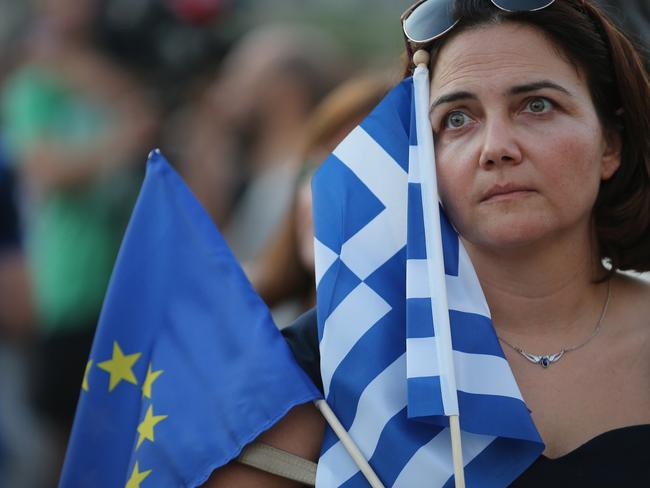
[72, 235]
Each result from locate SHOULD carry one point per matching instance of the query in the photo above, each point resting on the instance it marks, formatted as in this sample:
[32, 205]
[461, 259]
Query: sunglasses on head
[429, 19]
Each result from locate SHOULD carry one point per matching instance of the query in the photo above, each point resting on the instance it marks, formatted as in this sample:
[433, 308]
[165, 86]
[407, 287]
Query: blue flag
[187, 366]
[378, 348]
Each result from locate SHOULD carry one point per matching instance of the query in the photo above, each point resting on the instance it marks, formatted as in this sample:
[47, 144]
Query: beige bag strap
[279, 462]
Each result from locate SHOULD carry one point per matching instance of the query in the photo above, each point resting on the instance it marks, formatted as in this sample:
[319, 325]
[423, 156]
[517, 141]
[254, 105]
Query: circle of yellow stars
[120, 369]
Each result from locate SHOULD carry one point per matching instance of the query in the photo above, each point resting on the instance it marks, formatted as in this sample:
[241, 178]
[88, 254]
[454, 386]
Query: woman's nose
[499, 145]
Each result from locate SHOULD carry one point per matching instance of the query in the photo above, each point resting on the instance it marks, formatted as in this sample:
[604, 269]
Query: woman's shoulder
[632, 292]
[638, 282]
[629, 332]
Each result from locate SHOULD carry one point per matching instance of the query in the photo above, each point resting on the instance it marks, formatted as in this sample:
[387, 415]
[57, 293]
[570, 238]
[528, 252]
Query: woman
[541, 127]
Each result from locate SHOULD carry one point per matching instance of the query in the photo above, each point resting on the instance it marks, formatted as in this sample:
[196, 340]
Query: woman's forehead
[497, 55]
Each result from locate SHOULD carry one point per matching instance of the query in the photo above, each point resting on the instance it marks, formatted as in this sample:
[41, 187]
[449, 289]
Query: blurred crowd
[244, 105]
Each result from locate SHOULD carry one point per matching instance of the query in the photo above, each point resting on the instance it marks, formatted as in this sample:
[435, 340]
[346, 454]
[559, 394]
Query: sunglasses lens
[522, 5]
[429, 20]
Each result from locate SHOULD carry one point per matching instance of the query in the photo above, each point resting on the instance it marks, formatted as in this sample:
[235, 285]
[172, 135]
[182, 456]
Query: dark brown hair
[620, 90]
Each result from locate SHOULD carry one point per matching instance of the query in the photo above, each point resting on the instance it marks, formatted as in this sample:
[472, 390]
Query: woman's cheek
[453, 189]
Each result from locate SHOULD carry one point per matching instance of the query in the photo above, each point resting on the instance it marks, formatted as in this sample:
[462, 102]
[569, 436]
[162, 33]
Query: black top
[620, 457]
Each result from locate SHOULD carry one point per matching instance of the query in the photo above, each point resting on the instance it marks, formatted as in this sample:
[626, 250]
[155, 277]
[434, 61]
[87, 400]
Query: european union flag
[187, 366]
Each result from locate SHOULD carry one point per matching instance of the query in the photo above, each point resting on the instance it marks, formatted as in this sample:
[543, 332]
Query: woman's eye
[456, 120]
[538, 105]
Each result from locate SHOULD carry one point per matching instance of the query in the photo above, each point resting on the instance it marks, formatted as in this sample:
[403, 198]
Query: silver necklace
[545, 360]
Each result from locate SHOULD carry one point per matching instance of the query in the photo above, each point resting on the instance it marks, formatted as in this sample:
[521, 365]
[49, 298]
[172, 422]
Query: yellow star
[137, 477]
[119, 366]
[151, 377]
[84, 383]
[145, 429]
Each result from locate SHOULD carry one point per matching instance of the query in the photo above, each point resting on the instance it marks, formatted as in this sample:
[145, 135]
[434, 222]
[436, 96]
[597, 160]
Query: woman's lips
[506, 192]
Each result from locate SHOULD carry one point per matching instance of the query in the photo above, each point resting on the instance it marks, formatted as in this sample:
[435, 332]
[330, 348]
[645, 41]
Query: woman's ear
[611, 153]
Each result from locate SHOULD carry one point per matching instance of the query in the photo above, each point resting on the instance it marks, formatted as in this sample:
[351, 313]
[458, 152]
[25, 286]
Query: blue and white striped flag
[378, 349]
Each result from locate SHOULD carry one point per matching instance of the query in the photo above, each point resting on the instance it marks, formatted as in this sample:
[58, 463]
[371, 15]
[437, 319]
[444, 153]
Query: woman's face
[520, 150]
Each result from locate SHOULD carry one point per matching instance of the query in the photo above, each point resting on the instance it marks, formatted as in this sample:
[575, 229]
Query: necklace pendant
[544, 360]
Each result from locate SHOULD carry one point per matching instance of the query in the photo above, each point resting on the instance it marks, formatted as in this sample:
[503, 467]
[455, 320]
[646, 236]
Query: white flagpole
[348, 443]
[435, 262]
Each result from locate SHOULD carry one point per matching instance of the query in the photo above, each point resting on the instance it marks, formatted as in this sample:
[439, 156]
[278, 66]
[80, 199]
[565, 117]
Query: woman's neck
[544, 296]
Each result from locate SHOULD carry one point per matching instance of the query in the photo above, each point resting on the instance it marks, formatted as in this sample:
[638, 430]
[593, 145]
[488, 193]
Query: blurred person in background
[15, 297]
[283, 273]
[170, 44]
[15, 302]
[246, 129]
[76, 126]
[22, 444]
[21, 440]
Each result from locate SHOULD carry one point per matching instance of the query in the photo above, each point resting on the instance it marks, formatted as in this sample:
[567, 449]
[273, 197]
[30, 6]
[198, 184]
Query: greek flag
[379, 352]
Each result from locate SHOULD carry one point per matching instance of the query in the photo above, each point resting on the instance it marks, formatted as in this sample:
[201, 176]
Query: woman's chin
[510, 235]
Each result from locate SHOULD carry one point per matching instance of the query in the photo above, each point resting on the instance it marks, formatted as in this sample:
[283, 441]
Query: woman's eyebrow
[537, 85]
[452, 97]
[515, 90]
